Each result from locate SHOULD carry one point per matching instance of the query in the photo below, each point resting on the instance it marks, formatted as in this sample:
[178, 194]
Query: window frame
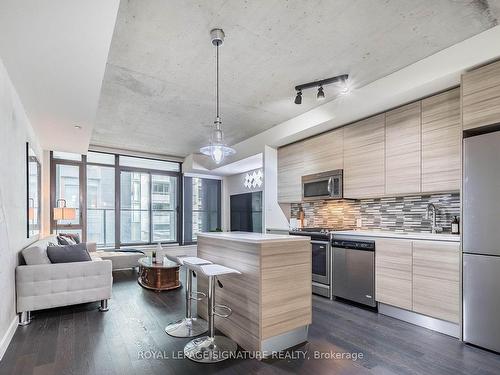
[118, 169]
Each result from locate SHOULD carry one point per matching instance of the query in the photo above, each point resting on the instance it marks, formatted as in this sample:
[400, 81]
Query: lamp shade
[31, 214]
[64, 213]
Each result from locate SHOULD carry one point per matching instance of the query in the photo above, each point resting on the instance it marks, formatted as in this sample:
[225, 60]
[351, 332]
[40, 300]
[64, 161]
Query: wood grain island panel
[272, 298]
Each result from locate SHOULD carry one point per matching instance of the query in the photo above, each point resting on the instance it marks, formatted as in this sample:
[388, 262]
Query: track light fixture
[298, 97]
[341, 79]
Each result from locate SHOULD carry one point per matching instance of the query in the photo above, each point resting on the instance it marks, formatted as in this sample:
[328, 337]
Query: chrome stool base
[187, 327]
[208, 349]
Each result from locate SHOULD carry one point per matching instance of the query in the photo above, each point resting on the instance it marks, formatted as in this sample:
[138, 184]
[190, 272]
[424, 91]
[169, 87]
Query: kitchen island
[272, 298]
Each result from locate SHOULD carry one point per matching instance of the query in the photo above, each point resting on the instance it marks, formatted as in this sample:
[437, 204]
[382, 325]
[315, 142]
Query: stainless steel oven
[326, 185]
[321, 261]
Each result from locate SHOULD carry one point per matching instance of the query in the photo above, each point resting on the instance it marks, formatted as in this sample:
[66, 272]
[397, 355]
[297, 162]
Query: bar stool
[212, 348]
[188, 326]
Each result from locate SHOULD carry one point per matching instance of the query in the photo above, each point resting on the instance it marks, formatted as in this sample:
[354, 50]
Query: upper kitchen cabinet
[402, 149]
[364, 158]
[441, 142]
[481, 96]
[324, 152]
[290, 171]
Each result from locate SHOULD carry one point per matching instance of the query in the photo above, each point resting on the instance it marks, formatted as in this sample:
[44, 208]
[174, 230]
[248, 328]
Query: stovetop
[318, 230]
[316, 234]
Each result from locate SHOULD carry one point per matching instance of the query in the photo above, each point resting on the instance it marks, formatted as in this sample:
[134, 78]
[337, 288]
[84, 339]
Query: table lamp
[63, 212]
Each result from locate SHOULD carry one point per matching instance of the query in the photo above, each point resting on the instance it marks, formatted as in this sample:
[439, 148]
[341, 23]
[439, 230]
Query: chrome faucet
[432, 209]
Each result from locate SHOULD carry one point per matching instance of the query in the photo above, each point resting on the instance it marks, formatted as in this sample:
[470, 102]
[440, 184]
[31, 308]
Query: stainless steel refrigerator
[481, 241]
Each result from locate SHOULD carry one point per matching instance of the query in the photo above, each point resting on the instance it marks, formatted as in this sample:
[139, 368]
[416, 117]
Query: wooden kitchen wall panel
[284, 286]
[240, 292]
[436, 279]
[324, 152]
[290, 172]
[402, 149]
[481, 96]
[393, 272]
[364, 158]
[441, 142]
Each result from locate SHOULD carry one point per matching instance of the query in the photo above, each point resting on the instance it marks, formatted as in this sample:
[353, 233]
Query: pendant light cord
[217, 80]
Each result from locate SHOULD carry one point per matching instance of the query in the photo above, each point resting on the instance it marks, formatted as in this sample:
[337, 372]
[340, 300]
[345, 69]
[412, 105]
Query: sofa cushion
[35, 255]
[68, 253]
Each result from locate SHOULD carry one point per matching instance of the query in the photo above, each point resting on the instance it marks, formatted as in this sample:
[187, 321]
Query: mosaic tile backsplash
[397, 214]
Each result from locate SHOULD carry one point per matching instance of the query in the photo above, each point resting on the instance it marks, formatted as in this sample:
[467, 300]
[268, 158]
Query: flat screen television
[246, 212]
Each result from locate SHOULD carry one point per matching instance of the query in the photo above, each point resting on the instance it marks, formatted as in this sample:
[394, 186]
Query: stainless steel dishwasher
[354, 269]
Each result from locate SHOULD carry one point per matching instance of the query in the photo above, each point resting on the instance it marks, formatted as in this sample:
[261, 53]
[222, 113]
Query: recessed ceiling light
[78, 127]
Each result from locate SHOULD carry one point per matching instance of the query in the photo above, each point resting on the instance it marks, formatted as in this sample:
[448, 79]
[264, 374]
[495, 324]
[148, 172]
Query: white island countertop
[405, 235]
[253, 237]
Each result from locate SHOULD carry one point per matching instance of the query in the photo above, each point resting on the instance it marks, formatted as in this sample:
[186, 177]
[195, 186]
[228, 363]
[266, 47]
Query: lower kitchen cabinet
[436, 279]
[420, 276]
[393, 272]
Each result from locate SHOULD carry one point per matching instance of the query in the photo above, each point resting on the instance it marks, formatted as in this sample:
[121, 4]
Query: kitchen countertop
[252, 237]
[403, 235]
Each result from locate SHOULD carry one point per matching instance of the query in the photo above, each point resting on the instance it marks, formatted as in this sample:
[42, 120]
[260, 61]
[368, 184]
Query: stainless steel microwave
[326, 185]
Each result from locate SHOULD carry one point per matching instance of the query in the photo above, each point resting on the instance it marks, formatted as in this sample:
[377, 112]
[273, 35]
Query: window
[101, 205]
[100, 158]
[159, 165]
[134, 207]
[143, 208]
[68, 189]
[66, 156]
[146, 217]
[164, 208]
[202, 206]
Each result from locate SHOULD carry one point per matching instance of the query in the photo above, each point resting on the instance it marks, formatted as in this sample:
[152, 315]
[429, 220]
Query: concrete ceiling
[158, 93]
[55, 53]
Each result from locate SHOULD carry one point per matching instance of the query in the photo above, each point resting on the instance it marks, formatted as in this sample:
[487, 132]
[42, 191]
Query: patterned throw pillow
[74, 236]
[63, 240]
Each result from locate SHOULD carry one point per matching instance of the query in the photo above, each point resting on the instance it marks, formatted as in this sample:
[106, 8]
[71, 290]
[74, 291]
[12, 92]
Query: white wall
[15, 131]
[234, 185]
[274, 217]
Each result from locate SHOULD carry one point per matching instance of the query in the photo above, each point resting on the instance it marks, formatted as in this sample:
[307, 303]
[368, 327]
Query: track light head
[298, 98]
[321, 93]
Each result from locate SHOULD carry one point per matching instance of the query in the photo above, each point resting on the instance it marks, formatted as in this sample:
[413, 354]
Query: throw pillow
[63, 240]
[74, 236]
[35, 255]
[68, 253]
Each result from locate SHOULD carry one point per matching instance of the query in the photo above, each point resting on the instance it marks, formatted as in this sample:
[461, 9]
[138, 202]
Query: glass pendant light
[217, 149]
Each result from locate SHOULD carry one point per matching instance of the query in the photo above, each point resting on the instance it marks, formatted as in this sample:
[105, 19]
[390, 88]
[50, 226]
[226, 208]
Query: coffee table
[158, 276]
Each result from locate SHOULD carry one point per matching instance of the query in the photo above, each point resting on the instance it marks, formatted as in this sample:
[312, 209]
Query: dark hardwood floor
[81, 340]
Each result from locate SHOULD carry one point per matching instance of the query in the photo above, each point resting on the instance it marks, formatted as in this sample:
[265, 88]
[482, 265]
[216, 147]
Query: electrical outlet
[359, 223]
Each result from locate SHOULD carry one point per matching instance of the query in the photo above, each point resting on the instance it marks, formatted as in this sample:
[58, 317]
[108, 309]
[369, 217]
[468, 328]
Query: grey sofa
[47, 285]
